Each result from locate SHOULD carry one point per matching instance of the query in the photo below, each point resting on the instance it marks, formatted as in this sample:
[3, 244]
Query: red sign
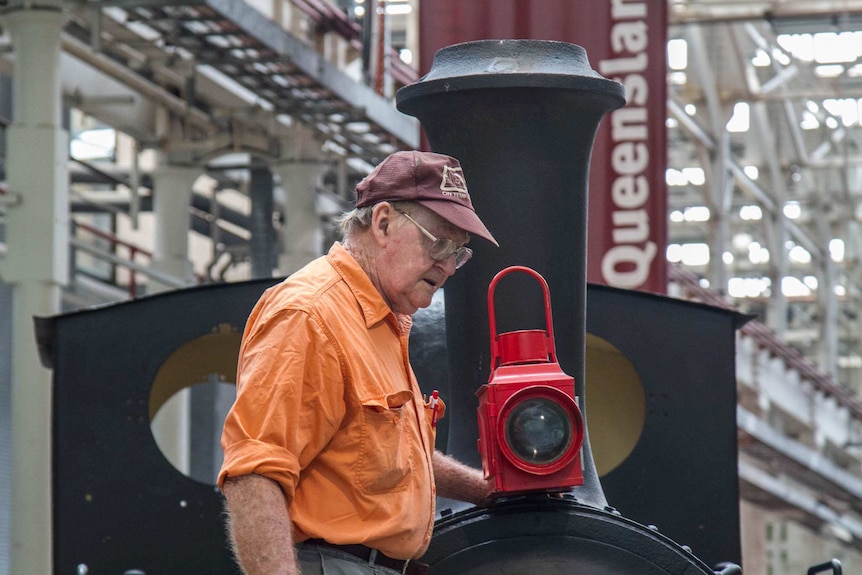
[625, 41]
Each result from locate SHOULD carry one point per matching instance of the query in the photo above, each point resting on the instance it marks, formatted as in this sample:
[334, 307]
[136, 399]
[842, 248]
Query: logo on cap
[453, 183]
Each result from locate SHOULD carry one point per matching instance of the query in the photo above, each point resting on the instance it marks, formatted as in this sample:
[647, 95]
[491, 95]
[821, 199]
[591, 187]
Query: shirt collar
[374, 307]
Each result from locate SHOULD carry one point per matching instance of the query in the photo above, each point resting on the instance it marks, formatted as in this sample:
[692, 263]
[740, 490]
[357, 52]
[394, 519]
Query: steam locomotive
[122, 507]
[659, 435]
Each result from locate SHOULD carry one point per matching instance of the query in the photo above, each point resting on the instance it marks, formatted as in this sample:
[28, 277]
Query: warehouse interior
[262, 115]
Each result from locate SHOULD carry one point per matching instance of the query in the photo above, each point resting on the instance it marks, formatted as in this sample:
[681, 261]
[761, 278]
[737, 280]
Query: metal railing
[131, 263]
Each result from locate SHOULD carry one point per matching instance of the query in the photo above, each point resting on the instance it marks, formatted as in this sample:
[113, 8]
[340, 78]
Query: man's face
[407, 277]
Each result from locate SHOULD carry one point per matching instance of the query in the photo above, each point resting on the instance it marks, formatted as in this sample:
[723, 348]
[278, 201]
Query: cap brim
[459, 216]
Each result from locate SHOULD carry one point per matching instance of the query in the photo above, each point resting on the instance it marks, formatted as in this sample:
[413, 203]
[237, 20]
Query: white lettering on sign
[627, 262]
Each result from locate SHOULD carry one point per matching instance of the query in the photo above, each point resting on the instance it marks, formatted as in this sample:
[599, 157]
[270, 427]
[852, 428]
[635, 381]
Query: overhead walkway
[175, 51]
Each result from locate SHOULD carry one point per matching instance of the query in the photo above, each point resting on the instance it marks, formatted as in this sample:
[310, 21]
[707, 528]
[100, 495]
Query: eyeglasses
[442, 248]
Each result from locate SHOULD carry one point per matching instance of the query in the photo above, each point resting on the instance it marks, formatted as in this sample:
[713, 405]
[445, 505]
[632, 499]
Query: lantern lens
[539, 431]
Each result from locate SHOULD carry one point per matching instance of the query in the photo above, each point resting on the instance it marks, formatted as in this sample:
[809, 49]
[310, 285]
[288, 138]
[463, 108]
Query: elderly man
[329, 463]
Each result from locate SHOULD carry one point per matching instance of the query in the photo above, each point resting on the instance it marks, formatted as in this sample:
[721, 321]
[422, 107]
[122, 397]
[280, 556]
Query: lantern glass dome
[539, 431]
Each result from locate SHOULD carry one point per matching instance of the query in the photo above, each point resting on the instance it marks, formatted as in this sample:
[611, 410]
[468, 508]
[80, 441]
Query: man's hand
[259, 526]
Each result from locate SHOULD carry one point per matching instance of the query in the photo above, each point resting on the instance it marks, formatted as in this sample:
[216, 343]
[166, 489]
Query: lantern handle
[492, 320]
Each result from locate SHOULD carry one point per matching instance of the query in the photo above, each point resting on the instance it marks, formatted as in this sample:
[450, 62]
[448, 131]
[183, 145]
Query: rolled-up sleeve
[289, 401]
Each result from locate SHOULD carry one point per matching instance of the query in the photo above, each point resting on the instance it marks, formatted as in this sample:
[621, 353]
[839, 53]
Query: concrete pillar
[37, 237]
[301, 236]
[172, 197]
[172, 187]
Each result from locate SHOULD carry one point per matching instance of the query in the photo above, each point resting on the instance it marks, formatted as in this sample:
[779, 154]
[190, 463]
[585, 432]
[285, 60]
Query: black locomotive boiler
[654, 376]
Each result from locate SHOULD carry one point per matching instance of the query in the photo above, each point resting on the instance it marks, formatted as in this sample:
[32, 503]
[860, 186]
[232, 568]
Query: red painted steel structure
[625, 41]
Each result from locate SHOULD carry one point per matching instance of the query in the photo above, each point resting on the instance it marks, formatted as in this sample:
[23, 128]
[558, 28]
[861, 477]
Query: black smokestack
[521, 116]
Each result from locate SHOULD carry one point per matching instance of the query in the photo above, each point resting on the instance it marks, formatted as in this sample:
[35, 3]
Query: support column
[301, 238]
[853, 265]
[775, 223]
[719, 185]
[36, 265]
[5, 424]
[827, 280]
[172, 188]
[172, 197]
[300, 174]
[262, 243]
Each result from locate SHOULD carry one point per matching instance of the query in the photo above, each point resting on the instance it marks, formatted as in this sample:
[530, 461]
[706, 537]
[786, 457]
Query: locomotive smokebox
[521, 116]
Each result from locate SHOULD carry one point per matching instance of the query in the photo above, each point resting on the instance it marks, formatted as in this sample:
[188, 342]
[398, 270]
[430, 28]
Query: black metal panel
[682, 474]
[118, 503]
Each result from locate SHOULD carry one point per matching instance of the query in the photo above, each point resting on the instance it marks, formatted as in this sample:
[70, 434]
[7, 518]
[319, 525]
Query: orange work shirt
[328, 406]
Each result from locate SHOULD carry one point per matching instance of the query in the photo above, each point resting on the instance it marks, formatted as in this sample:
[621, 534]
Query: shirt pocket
[385, 460]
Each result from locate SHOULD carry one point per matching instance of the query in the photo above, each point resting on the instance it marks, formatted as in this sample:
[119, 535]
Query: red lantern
[530, 426]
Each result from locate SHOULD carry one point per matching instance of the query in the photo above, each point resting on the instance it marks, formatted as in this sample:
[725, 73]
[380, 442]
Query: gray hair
[356, 220]
[359, 219]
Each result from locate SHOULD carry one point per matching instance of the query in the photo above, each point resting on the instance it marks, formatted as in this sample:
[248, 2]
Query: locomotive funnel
[521, 116]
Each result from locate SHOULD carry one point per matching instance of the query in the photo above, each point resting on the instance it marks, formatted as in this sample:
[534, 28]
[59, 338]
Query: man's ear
[381, 222]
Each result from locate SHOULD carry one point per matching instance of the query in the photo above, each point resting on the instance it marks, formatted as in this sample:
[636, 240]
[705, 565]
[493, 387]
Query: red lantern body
[530, 426]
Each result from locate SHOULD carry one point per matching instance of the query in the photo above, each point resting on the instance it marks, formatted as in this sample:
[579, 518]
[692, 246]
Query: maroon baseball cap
[434, 180]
